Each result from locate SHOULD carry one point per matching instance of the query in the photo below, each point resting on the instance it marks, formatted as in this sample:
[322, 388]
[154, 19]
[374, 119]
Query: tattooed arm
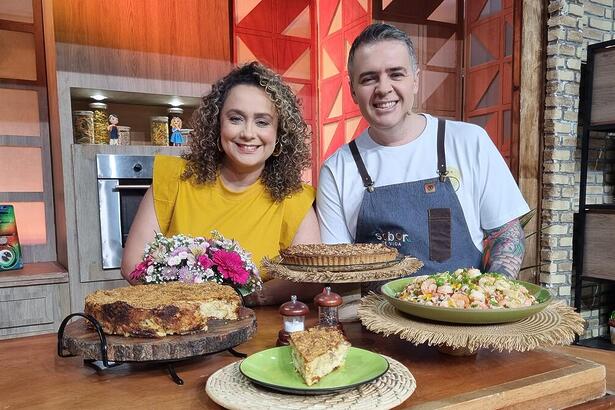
[503, 249]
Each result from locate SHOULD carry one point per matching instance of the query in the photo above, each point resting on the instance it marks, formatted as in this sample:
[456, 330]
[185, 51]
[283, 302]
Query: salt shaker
[293, 316]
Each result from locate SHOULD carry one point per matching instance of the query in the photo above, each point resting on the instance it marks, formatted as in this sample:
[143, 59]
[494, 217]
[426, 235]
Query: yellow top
[260, 225]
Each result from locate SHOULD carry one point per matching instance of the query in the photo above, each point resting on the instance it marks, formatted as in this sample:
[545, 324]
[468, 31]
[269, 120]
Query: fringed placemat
[230, 389]
[404, 267]
[557, 324]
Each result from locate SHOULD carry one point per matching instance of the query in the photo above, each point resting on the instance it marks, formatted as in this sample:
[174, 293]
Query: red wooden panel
[352, 11]
[260, 18]
[287, 52]
[286, 12]
[477, 84]
[474, 7]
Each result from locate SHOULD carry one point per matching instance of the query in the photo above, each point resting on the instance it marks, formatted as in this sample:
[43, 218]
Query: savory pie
[162, 309]
[339, 254]
[316, 352]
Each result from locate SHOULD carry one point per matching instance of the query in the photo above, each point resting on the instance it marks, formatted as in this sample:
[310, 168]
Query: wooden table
[33, 376]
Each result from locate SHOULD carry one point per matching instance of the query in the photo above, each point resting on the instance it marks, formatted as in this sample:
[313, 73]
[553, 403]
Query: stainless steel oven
[122, 182]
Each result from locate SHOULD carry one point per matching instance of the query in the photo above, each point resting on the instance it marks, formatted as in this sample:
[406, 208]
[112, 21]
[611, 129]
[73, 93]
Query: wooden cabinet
[33, 300]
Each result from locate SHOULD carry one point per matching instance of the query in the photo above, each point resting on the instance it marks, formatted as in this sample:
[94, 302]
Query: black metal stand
[580, 219]
[106, 364]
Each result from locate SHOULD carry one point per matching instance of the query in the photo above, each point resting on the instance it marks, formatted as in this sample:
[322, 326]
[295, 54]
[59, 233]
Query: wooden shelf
[41, 273]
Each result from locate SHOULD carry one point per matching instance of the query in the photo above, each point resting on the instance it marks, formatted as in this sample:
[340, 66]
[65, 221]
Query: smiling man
[437, 190]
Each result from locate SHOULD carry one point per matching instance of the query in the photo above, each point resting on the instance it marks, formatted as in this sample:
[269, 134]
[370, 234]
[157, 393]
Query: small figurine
[114, 134]
[176, 136]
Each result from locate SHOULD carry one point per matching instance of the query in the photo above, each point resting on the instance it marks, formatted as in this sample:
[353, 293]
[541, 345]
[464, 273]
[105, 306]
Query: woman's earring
[219, 144]
[277, 150]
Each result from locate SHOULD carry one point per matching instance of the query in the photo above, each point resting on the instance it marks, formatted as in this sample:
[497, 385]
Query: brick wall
[572, 25]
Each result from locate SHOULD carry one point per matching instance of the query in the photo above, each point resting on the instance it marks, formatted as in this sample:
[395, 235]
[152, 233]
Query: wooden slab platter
[82, 340]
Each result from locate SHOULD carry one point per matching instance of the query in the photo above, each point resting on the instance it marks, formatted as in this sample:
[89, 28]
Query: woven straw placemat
[230, 389]
[555, 325]
[405, 267]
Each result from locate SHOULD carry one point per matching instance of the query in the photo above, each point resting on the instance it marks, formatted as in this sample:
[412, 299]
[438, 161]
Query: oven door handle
[125, 187]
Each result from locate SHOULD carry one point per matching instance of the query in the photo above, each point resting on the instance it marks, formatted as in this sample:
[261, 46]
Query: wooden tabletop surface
[33, 376]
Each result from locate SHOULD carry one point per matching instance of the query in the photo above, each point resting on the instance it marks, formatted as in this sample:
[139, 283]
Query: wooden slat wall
[175, 40]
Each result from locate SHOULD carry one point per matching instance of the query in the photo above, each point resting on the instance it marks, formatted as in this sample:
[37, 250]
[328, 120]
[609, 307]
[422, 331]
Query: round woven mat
[405, 267]
[557, 324]
[230, 389]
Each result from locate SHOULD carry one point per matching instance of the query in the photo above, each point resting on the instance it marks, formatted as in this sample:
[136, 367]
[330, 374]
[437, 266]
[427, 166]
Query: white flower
[150, 269]
[174, 261]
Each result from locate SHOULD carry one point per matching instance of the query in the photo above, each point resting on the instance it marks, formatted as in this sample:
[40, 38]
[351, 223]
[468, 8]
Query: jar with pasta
[101, 122]
[124, 135]
[83, 127]
[159, 130]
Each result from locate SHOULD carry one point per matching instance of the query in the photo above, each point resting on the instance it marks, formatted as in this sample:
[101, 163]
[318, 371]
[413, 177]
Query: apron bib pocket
[439, 234]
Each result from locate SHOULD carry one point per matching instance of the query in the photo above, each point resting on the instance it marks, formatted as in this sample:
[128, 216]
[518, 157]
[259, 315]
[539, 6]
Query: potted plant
[612, 326]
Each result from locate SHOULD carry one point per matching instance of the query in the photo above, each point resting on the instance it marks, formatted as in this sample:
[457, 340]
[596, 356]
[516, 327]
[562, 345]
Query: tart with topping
[340, 254]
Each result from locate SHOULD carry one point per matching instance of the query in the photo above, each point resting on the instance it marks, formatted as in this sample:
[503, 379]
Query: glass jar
[101, 122]
[159, 130]
[83, 127]
[124, 135]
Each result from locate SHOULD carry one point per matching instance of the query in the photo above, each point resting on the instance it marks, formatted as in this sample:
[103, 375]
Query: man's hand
[503, 249]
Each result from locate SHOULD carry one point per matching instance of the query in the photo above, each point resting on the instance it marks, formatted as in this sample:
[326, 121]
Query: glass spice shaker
[293, 317]
[101, 121]
[328, 303]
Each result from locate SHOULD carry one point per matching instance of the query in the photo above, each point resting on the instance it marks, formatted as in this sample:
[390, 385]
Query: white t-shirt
[487, 192]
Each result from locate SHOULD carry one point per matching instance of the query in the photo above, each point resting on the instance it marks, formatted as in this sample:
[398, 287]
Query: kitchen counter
[32, 375]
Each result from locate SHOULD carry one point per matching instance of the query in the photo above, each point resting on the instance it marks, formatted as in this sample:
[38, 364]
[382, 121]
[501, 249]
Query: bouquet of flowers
[196, 260]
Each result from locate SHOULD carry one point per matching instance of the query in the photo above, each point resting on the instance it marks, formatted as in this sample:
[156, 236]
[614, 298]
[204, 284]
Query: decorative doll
[176, 136]
[114, 134]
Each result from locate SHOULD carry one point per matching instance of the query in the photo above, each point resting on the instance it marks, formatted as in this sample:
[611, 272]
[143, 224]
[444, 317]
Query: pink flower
[205, 262]
[231, 267]
[140, 269]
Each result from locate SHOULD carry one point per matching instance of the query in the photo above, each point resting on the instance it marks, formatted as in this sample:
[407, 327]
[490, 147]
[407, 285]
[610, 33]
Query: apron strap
[367, 180]
[441, 155]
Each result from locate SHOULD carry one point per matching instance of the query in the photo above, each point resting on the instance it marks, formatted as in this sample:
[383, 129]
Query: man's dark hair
[381, 32]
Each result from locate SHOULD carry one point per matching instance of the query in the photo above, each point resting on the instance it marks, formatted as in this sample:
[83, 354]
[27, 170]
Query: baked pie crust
[162, 309]
[340, 254]
[316, 352]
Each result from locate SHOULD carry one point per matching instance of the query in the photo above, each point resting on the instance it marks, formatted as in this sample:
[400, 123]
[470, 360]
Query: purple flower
[170, 273]
[185, 275]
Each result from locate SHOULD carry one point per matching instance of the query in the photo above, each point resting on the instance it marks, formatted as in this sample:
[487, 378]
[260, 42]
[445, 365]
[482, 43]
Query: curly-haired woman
[241, 177]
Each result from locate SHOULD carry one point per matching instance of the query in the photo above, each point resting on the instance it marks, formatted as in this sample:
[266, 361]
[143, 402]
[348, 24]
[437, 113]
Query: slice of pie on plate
[317, 352]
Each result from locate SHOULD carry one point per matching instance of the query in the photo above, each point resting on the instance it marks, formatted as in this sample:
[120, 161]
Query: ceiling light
[98, 97]
[175, 102]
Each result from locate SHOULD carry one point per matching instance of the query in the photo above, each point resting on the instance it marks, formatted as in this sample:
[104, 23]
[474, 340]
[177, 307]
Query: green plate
[273, 368]
[457, 315]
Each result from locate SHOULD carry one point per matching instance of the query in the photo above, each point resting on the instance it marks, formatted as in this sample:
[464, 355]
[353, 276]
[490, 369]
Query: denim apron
[423, 218]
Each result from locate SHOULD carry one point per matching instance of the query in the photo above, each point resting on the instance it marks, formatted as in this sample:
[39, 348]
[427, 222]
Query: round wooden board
[82, 340]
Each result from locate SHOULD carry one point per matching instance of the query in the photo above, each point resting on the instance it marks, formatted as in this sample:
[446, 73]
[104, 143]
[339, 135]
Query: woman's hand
[144, 228]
